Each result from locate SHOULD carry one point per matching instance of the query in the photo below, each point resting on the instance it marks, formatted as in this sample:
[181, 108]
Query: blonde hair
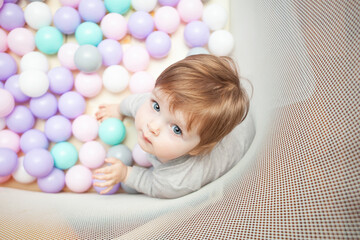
[207, 90]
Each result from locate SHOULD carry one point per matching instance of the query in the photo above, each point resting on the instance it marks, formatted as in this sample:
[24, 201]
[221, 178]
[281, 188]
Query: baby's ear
[202, 150]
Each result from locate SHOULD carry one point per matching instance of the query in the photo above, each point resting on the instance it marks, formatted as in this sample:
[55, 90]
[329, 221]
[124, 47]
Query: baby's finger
[102, 176]
[104, 170]
[111, 160]
[106, 190]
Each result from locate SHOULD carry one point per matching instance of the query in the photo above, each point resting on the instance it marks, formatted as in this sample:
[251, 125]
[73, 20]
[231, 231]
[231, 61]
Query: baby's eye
[156, 106]
[176, 130]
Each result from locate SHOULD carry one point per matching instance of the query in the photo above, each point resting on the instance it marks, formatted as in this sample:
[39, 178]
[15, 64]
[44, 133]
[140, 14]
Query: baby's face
[161, 132]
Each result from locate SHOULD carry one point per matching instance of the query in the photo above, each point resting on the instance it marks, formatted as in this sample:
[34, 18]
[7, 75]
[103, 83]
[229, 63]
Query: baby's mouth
[145, 138]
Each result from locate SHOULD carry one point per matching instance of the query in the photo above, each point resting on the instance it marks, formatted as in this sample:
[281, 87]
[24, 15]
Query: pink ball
[136, 58]
[85, 128]
[190, 10]
[66, 55]
[92, 154]
[10, 140]
[141, 82]
[70, 3]
[3, 41]
[7, 102]
[114, 26]
[21, 41]
[78, 179]
[167, 19]
[140, 156]
[5, 178]
[88, 85]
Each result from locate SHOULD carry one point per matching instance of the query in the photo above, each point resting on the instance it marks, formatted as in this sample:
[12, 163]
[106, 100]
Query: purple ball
[20, 119]
[52, 183]
[196, 34]
[71, 104]
[158, 44]
[8, 161]
[61, 80]
[67, 19]
[8, 66]
[38, 162]
[58, 128]
[140, 24]
[12, 85]
[171, 3]
[11, 16]
[92, 10]
[32, 139]
[44, 107]
[111, 52]
[112, 191]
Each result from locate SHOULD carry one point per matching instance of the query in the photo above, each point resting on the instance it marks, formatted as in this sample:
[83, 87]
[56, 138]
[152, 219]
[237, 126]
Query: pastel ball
[32, 139]
[7, 102]
[140, 156]
[33, 83]
[70, 3]
[38, 162]
[158, 44]
[121, 152]
[11, 16]
[54, 182]
[92, 154]
[71, 104]
[167, 19]
[44, 106]
[3, 41]
[115, 78]
[140, 24]
[61, 80]
[215, 16]
[141, 5]
[67, 19]
[111, 52]
[37, 15]
[8, 162]
[66, 55]
[85, 128]
[92, 10]
[20, 119]
[58, 128]
[196, 34]
[88, 84]
[221, 43]
[65, 155]
[141, 82]
[88, 58]
[171, 3]
[114, 26]
[13, 86]
[99, 189]
[136, 58]
[34, 61]
[197, 50]
[2, 123]
[21, 41]
[10, 140]
[117, 6]
[190, 10]
[78, 179]
[112, 131]
[20, 175]
[8, 66]
[48, 40]
[88, 33]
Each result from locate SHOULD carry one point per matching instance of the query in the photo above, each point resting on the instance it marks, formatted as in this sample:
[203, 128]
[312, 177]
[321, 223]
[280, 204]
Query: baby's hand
[108, 111]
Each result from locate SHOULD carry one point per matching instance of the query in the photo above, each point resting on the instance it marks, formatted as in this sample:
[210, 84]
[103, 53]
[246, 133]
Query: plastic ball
[11, 16]
[196, 34]
[92, 10]
[99, 189]
[111, 52]
[88, 85]
[21, 41]
[8, 162]
[171, 3]
[10, 140]
[61, 80]
[2, 123]
[112, 131]
[190, 10]
[65, 155]
[221, 43]
[66, 55]
[52, 183]
[167, 19]
[48, 40]
[38, 162]
[20, 119]
[158, 44]
[7, 102]
[140, 156]
[58, 128]
[78, 179]
[4, 178]
[71, 104]
[12, 85]
[116, 6]
[128, 189]
[197, 50]
[92, 154]
[141, 82]
[33, 83]
[8, 66]
[88, 33]
[140, 24]
[140, 5]
[37, 15]
[215, 16]
[3, 41]
[21, 175]
[121, 152]
[116, 78]
[34, 61]
[70, 3]
[88, 58]
[136, 58]
[32, 139]
[67, 19]
[114, 26]
[44, 106]
[85, 128]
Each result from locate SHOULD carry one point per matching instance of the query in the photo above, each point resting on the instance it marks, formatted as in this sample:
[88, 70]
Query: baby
[189, 125]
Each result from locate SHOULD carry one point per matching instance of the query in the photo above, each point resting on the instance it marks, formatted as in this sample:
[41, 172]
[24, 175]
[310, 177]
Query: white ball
[33, 83]
[221, 43]
[34, 61]
[20, 174]
[115, 78]
[141, 5]
[215, 16]
[37, 15]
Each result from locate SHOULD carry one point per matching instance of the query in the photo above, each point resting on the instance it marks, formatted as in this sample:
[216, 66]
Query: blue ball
[48, 40]
[65, 155]
[117, 6]
[88, 33]
[112, 131]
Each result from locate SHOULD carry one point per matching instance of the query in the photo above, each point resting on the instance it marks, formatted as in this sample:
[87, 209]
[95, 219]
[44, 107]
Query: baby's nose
[154, 127]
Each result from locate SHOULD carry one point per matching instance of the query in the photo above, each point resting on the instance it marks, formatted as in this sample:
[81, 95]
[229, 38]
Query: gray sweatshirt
[187, 174]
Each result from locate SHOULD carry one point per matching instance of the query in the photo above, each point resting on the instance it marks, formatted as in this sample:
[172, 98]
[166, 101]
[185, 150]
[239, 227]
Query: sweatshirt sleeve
[131, 104]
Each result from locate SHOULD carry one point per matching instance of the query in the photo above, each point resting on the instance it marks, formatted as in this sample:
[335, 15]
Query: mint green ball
[88, 33]
[116, 6]
[49, 40]
[112, 131]
[65, 155]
